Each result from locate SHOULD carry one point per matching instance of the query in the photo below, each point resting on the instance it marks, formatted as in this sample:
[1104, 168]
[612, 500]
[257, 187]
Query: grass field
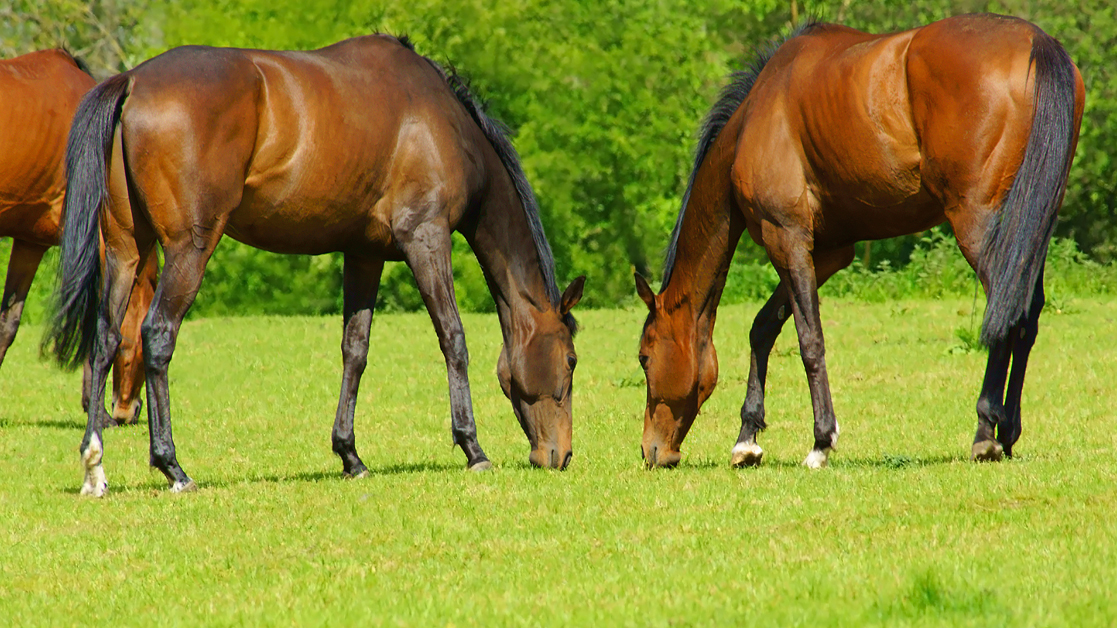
[900, 530]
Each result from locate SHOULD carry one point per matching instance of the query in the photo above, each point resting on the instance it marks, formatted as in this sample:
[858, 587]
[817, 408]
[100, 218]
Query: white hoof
[746, 455]
[184, 487]
[95, 484]
[817, 459]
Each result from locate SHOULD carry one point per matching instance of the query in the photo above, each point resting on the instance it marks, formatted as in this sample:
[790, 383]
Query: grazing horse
[39, 93]
[838, 136]
[363, 147]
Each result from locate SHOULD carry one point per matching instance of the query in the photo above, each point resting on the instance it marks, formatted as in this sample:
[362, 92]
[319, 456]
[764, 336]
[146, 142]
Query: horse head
[681, 366]
[536, 372]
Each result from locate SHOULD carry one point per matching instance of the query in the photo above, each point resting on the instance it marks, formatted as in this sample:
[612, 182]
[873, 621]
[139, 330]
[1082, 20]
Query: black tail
[1015, 246]
[77, 298]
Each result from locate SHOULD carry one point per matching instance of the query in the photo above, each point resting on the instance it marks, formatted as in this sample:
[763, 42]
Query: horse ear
[645, 291]
[572, 295]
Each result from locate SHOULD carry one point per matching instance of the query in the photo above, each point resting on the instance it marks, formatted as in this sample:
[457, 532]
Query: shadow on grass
[887, 461]
[52, 424]
[157, 485]
[61, 424]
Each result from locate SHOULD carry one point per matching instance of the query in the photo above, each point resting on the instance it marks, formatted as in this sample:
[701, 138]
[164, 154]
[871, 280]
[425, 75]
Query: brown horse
[838, 136]
[363, 147]
[39, 93]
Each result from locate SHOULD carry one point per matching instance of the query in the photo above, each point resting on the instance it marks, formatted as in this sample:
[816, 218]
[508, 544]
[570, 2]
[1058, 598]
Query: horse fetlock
[95, 483]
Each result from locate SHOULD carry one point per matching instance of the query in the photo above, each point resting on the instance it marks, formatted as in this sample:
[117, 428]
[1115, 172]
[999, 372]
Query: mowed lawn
[900, 530]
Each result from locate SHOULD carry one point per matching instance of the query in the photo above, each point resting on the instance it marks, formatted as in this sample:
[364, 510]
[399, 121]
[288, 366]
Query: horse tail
[1015, 245]
[77, 298]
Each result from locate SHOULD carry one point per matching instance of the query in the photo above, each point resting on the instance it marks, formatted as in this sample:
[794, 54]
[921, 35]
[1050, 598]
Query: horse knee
[158, 345]
[454, 348]
[813, 354]
[354, 352]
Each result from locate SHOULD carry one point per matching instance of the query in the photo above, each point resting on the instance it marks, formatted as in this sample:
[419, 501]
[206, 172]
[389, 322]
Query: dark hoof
[356, 473]
[987, 451]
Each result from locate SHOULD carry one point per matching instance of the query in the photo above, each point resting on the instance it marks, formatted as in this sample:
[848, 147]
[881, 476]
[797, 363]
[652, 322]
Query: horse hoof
[483, 465]
[95, 489]
[184, 487]
[362, 473]
[746, 455]
[987, 451]
[817, 459]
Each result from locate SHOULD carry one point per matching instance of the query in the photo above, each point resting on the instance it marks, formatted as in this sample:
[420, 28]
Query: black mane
[731, 97]
[78, 61]
[497, 133]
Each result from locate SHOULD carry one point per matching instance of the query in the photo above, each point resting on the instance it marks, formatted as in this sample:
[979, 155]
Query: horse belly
[310, 226]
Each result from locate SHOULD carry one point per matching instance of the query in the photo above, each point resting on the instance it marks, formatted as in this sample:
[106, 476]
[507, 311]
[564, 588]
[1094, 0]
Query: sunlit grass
[900, 530]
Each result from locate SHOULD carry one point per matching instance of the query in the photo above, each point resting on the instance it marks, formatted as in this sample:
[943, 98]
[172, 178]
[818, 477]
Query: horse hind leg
[183, 268]
[22, 265]
[1008, 430]
[119, 278]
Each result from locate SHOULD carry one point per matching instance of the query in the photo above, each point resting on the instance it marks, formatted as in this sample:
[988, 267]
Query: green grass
[900, 530]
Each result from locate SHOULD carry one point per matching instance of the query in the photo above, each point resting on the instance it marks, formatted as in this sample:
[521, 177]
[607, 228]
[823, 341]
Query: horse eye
[644, 361]
[572, 361]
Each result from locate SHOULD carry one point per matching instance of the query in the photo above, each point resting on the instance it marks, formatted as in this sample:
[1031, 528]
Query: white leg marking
[817, 458]
[747, 454]
[95, 483]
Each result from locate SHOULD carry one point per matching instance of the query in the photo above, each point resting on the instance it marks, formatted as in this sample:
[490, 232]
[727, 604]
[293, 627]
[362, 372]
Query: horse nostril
[651, 459]
[554, 458]
[566, 460]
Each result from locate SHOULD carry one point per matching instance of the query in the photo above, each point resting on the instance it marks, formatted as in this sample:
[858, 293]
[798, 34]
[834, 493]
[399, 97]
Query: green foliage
[605, 98]
[109, 35]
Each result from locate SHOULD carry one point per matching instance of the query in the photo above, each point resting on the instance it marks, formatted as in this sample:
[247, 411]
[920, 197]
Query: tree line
[604, 97]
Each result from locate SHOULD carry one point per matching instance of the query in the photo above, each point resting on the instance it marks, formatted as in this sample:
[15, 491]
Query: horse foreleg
[799, 277]
[765, 329]
[427, 247]
[22, 265]
[361, 281]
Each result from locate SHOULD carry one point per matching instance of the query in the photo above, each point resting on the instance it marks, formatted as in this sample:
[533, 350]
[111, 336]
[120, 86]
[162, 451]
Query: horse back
[39, 93]
[311, 141]
[883, 132]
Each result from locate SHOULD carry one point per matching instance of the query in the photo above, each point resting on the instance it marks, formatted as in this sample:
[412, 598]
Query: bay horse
[39, 93]
[363, 147]
[837, 136]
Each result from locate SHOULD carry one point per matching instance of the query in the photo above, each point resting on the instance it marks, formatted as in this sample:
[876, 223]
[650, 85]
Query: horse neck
[707, 238]
[502, 240]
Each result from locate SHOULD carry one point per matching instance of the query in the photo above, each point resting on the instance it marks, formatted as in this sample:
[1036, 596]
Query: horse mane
[730, 99]
[498, 135]
[78, 61]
